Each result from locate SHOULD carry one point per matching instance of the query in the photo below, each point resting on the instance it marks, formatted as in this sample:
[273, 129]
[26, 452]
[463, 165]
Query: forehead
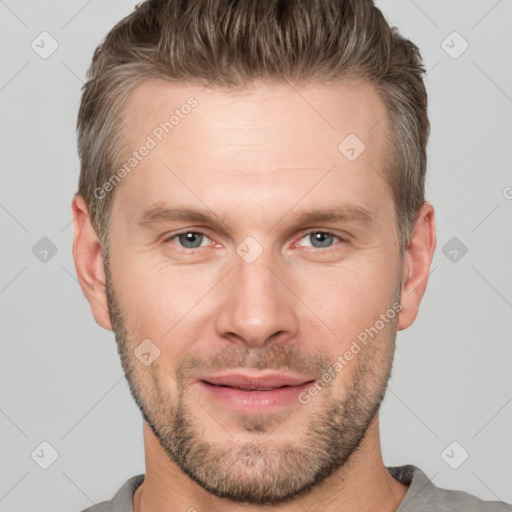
[270, 139]
[303, 115]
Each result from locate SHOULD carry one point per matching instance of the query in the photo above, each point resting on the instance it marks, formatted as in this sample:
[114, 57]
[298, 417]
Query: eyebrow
[346, 213]
[160, 213]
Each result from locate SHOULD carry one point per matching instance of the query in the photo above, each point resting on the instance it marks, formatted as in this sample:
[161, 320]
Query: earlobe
[416, 265]
[89, 262]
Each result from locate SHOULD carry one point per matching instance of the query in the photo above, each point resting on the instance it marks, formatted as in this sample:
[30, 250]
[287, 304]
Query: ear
[416, 265]
[89, 262]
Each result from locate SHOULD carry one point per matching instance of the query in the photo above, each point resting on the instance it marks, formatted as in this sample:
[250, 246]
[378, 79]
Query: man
[251, 223]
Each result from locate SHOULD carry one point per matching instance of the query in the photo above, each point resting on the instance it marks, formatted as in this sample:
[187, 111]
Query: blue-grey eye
[191, 239]
[320, 239]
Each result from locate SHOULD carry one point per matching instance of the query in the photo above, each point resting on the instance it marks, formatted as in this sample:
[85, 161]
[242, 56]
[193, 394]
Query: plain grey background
[61, 380]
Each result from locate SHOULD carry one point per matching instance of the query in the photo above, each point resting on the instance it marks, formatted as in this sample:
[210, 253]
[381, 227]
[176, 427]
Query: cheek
[159, 301]
[345, 301]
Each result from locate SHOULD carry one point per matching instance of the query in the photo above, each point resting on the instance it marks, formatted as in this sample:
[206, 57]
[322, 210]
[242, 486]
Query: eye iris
[190, 240]
[321, 239]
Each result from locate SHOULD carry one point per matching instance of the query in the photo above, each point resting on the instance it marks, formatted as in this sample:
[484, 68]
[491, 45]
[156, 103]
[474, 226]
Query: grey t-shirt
[422, 495]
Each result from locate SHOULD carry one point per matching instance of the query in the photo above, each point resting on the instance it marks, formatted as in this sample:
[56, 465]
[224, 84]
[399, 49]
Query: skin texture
[255, 161]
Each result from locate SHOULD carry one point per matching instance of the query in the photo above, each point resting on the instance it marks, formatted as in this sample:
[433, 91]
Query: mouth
[253, 382]
[253, 393]
[246, 388]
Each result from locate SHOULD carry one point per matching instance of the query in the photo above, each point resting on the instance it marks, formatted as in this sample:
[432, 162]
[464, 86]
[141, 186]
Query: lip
[251, 393]
[249, 381]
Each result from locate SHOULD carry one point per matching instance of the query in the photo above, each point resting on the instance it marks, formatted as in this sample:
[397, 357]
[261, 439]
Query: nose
[257, 308]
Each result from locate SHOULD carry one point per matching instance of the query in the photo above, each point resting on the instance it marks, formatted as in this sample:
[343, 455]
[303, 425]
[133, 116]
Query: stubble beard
[259, 471]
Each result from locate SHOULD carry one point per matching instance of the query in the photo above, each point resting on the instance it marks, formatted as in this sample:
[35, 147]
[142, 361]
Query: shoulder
[122, 500]
[423, 494]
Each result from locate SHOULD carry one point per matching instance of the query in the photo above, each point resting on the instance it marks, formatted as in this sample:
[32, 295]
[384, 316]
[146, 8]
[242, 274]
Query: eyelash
[303, 235]
[323, 249]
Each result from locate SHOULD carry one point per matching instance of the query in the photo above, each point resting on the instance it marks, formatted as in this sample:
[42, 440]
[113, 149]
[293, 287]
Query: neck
[363, 483]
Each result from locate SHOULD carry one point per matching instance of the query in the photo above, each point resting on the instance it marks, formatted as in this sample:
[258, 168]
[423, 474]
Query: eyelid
[169, 237]
[341, 238]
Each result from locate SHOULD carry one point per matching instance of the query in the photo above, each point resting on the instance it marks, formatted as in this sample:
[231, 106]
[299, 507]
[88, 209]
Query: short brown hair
[233, 43]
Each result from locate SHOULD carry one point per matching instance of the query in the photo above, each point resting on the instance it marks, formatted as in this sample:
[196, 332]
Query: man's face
[261, 285]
